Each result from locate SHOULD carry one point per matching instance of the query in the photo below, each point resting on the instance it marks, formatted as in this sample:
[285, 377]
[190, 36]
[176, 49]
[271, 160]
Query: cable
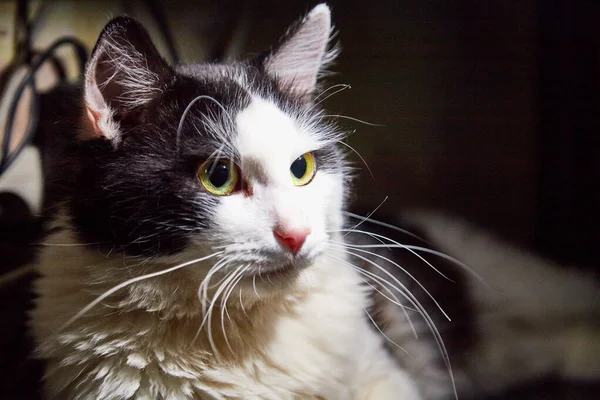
[29, 81]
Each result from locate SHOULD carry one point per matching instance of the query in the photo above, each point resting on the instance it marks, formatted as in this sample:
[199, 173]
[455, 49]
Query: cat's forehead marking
[268, 136]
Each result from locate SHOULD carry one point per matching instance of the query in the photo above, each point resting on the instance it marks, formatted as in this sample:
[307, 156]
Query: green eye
[218, 176]
[303, 169]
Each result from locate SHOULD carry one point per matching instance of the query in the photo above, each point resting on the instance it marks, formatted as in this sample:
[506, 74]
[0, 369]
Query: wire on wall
[32, 60]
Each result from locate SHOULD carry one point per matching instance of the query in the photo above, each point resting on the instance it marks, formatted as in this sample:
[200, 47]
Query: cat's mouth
[275, 273]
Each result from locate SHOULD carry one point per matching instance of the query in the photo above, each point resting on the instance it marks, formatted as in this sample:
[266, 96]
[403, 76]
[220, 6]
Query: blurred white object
[24, 178]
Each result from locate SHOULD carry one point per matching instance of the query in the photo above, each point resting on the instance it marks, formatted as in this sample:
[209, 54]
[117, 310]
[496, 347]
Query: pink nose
[291, 239]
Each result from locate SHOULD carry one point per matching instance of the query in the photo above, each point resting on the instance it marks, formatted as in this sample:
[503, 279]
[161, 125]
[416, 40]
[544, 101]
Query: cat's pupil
[219, 175]
[299, 167]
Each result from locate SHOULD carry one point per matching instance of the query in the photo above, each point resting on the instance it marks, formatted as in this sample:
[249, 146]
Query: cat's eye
[303, 169]
[219, 177]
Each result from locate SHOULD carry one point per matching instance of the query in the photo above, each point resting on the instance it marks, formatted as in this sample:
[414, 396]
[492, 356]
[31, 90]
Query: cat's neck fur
[291, 345]
[164, 309]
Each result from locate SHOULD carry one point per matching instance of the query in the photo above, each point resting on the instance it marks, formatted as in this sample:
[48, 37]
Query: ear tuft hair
[124, 74]
[303, 53]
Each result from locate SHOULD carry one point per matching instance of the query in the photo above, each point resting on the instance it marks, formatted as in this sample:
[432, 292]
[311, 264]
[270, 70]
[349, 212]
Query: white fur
[24, 178]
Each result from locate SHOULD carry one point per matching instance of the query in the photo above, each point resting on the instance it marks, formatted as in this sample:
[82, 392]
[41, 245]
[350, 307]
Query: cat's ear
[125, 73]
[303, 53]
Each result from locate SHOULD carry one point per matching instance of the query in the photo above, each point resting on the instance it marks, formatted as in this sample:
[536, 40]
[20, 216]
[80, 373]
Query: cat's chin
[286, 270]
[272, 275]
[276, 276]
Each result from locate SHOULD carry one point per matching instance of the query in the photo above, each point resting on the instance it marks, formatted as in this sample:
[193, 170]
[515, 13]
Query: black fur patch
[142, 196]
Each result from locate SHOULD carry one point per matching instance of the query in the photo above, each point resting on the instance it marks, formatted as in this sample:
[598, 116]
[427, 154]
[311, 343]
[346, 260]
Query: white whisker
[66, 244]
[384, 335]
[254, 286]
[242, 303]
[189, 106]
[399, 267]
[239, 274]
[413, 300]
[343, 87]
[208, 317]
[353, 119]
[131, 281]
[204, 285]
[15, 274]
[399, 245]
[182, 119]
[383, 282]
[367, 217]
[359, 156]
[386, 225]
[430, 251]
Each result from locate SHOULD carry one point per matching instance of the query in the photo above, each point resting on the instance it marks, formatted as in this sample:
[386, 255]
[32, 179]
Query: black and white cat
[200, 249]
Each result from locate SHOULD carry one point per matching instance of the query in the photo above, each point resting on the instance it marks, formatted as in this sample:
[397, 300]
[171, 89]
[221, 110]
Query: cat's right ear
[125, 74]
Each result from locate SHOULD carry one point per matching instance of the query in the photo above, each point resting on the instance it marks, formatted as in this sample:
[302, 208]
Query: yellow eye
[303, 169]
[219, 177]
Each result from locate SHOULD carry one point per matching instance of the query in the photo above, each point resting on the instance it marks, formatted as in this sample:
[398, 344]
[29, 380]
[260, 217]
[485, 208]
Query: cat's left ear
[124, 75]
[303, 53]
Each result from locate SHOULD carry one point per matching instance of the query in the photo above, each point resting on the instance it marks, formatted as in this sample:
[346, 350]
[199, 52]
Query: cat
[232, 172]
[199, 245]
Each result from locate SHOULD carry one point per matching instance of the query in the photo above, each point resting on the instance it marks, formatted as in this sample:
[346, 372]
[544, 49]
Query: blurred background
[489, 109]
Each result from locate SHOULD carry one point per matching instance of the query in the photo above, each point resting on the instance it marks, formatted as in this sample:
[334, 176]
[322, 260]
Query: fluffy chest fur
[302, 344]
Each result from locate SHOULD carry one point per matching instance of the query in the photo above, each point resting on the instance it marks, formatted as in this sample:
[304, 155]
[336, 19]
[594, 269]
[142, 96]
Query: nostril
[292, 240]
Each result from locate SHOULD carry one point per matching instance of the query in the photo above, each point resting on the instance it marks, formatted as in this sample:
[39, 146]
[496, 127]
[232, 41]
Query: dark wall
[568, 137]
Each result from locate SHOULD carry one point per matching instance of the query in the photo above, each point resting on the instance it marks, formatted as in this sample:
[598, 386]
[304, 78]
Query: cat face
[180, 162]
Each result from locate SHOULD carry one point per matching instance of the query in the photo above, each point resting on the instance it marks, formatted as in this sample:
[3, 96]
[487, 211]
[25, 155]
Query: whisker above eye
[187, 110]
[358, 154]
[352, 119]
[343, 87]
